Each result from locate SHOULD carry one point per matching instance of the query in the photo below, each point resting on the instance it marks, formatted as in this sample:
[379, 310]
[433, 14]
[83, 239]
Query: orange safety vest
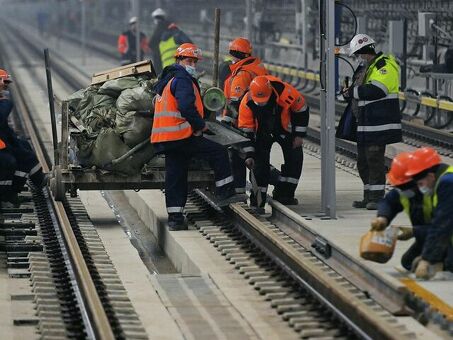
[290, 100]
[251, 67]
[2, 144]
[169, 124]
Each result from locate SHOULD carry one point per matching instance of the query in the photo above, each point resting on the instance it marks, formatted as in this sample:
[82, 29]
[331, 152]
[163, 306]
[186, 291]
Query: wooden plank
[142, 67]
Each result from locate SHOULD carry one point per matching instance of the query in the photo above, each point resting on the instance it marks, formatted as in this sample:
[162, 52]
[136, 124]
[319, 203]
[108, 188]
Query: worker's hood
[169, 72]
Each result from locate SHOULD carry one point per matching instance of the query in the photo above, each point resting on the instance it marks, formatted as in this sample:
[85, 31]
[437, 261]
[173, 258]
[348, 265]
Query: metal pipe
[249, 23]
[215, 77]
[136, 6]
[51, 107]
[83, 31]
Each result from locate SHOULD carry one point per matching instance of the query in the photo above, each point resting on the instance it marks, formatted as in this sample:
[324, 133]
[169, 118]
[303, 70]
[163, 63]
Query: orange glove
[379, 223]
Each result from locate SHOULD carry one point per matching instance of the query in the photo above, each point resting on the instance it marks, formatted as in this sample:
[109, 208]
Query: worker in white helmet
[378, 116]
[165, 40]
[127, 44]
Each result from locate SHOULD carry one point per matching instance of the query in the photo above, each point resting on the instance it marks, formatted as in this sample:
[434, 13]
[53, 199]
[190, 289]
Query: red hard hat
[188, 50]
[241, 45]
[397, 174]
[260, 89]
[5, 76]
[422, 159]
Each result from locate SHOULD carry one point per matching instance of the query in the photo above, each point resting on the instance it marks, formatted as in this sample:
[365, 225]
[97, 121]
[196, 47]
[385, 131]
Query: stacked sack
[117, 116]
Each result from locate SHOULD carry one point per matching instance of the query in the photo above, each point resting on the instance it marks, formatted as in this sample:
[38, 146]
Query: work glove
[250, 163]
[379, 223]
[426, 270]
[405, 233]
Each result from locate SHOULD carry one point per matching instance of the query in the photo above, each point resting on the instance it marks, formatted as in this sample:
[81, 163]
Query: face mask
[362, 60]
[425, 190]
[191, 70]
[407, 193]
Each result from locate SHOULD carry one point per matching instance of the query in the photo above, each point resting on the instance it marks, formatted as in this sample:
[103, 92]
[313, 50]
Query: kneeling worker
[178, 133]
[405, 197]
[435, 178]
[274, 111]
[17, 159]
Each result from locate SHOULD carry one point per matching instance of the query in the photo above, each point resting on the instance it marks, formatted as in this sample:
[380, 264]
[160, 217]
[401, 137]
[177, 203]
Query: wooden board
[142, 67]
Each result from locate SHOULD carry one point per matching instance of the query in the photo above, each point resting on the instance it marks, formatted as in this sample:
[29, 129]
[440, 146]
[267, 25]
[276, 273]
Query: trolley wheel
[56, 185]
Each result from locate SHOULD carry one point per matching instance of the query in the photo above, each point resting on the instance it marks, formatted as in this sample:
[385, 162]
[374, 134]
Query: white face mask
[191, 70]
[362, 60]
[425, 190]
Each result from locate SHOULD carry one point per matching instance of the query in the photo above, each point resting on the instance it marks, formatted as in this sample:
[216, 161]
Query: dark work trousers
[416, 248]
[239, 169]
[8, 166]
[22, 158]
[177, 166]
[291, 170]
[371, 166]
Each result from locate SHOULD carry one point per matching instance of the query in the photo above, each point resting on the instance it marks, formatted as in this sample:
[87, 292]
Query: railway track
[315, 299]
[77, 291]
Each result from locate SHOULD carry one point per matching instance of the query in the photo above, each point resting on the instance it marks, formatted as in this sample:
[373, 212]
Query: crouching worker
[436, 179]
[274, 111]
[17, 159]
[178, 133]
[405, 197]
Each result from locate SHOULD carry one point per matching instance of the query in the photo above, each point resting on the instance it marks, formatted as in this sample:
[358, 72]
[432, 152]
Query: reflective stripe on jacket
[169, 124]
[379, 119]
[427, 207]
[294, 113]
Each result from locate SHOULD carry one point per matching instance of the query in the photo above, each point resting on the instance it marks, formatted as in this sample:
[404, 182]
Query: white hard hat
[358, 42]
[159, 12]
[132, 20]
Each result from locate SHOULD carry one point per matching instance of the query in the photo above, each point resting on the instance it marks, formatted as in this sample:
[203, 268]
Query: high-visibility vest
[167, 49]
[251, 67]
[2, 144]
[290, 101]
[427, 207]
[169, 124]
[448, 170]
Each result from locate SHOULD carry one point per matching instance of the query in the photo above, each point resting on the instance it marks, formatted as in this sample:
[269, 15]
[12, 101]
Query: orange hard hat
[241, 45]
[5, 76]
[397, 174]
[260, 89]
[188, 50]
[422, 159]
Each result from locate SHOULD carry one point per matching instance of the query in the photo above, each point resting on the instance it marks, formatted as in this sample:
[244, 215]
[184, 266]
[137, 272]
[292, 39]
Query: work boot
[371, 205]
[362, 204]
[177, 222]
[228, 196]
[286, 200]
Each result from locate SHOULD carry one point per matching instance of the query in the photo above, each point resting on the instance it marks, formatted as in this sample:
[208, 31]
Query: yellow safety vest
[449, 170]
[427, 207]
[167, 49]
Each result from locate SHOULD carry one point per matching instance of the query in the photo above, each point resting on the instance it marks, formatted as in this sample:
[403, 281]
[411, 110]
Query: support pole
[83, 31]
[327, 74]
[249, 23]
[136, 11]
[215, 78]
[51, 106]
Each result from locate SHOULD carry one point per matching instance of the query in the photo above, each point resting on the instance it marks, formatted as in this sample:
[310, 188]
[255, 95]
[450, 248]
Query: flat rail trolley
[68, 176]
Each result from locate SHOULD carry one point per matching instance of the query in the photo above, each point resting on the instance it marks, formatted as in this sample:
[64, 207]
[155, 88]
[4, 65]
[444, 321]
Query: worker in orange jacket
[127, 44]
[17, 159]
[274, 111]
[244, 67]
[178, 133]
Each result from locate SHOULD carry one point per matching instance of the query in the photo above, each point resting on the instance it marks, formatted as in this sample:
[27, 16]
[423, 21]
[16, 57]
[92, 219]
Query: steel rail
[99, 322]
[360, 318]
